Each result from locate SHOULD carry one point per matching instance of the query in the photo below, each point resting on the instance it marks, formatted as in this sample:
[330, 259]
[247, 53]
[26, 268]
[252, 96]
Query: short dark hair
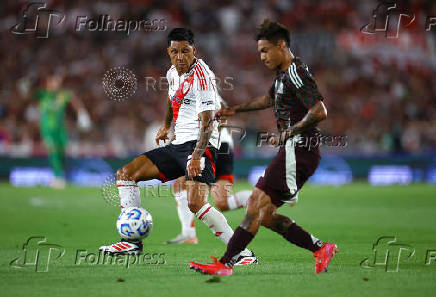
[180, 34]
[273, 32]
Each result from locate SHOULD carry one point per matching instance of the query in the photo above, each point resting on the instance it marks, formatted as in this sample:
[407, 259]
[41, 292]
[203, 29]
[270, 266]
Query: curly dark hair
[273, 32]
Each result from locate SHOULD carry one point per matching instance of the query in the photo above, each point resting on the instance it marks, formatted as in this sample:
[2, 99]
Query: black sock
[239, 241]
[300, 237]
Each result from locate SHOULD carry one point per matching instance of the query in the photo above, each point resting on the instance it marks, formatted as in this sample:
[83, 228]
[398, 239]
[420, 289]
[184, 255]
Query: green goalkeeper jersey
[52, 107]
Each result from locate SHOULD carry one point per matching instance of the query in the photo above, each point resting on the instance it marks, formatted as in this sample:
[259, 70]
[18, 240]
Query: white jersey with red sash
[190, 94]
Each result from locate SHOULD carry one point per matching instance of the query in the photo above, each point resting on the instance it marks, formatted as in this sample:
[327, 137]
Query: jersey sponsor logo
[178, 100]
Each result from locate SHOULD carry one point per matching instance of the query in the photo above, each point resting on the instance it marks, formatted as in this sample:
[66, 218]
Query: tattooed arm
[162, 134]
[206, 129]
[315, 114]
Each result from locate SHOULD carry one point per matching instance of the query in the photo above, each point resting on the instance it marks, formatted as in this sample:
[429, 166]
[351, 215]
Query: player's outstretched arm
[258, 103]
[206, 129]
[83, 119]
[315, 114]
[162, 134]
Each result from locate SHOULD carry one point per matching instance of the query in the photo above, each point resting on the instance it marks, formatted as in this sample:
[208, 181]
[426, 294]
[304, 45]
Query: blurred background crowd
[380, 92]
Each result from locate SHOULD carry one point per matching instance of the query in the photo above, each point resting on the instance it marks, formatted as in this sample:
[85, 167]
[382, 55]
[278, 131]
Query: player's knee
[123, 174]
[127, 173]
[179, 185]
[250, 219]
[220, 199]
[253, 204]
[281, 226]
[253, 211]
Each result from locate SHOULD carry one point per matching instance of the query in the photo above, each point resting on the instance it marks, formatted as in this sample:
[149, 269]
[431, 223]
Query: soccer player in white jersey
[221, 190]
[192, 102]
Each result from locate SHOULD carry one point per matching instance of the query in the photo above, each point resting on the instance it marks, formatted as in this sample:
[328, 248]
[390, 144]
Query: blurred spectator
[379, 92]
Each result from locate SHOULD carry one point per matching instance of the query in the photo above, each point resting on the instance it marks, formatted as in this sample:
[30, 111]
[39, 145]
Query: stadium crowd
[379, 91]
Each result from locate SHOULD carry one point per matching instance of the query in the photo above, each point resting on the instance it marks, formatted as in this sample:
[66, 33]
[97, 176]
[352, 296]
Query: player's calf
[220, 191]
[258, 206]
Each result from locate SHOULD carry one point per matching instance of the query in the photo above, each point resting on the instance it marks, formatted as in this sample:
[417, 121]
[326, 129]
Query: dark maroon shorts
[288, 171]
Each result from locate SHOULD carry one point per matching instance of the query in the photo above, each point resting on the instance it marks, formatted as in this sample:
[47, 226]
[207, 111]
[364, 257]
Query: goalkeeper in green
[53, 101]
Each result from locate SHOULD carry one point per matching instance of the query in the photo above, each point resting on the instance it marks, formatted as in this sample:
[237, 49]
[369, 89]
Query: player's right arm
[162, 134]
[83, 119]
[258, 103]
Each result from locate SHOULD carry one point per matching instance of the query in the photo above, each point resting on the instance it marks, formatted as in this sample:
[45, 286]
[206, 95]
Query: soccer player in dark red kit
[298, 107]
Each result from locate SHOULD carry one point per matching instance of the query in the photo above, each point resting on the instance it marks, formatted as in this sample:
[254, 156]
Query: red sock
[238, 242]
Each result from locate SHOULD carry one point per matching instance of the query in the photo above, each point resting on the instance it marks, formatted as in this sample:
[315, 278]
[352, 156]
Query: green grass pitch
[352, 216]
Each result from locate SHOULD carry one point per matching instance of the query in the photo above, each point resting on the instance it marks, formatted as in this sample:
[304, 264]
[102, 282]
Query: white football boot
[244, 258]
[183, 239]
[122, 247]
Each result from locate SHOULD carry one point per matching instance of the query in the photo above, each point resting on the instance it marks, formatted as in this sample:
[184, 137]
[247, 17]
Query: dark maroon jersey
[294, 91]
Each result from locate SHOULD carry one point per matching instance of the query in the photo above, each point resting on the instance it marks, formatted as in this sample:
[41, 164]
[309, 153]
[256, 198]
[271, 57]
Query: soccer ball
[134, 223]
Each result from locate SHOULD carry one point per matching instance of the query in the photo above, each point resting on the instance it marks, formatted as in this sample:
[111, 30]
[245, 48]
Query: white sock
[238, 200]
[129, 193]
[186, 217]
[218, 224]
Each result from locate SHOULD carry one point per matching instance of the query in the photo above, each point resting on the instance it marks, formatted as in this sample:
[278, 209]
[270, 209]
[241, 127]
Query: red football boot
[323, 256]
[215, 268]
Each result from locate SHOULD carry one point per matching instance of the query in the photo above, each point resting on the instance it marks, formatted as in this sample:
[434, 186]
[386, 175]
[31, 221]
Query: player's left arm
[308, 94]
[206, 105]
[206, 129]
[315, 114]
